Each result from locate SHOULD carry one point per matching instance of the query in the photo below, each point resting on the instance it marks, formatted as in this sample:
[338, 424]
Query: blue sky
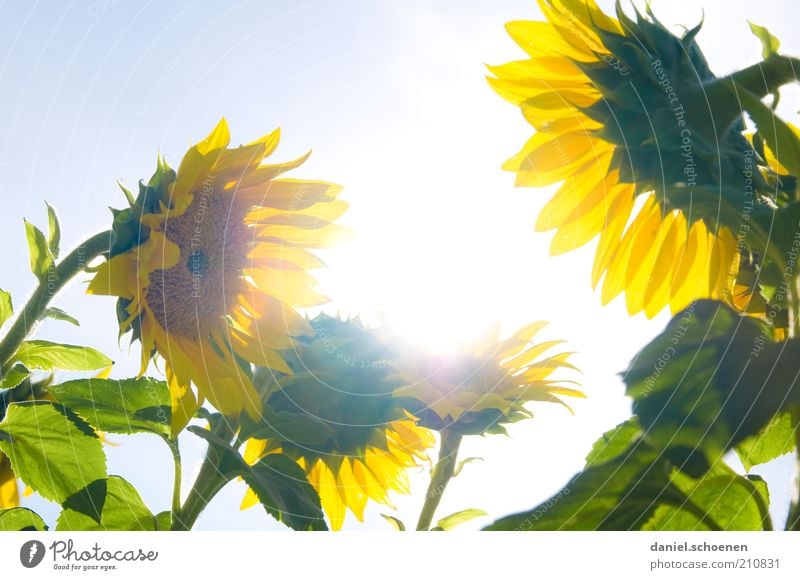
[391, 96]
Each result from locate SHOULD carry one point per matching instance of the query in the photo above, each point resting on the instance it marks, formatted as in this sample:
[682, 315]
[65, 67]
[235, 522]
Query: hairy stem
[441, 475]
[56, 279]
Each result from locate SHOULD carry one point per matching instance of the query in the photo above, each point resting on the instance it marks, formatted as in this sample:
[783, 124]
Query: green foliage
[119, 406]
[616, 495]
[6, 307]
[463, 463]
[53, 231]
[769, 44]
[58, 314]
[396, 523]
[708, 382]
[447, 523]
[123, 510]
[14, 376]
[21, 519]
[730, 501]
[163, 521]
[781, 139]
[279, 483]
[40, 256]
[285, 426]
[775, 439]
[89, 500]
[284, 491]
[50, 356]
[52, 450]
[613, 443]
[628, 485]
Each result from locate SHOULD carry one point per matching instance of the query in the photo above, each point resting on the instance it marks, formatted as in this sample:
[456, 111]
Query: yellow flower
[210, 264]
[9, 492]
[352, 436]
[620, 113]
[486, 385]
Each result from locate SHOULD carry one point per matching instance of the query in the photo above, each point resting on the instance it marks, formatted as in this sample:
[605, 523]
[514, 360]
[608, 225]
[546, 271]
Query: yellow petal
[116, 277]
[538, 38]
[184, 403]
[9, 491]
[617, 215]
[591, 186]
[690, 279]
[547, 159]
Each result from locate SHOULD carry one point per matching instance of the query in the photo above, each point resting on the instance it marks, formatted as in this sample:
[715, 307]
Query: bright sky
[391, 96]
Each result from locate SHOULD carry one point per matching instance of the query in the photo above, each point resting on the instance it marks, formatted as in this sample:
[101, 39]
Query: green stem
[210, 480]
[208, 483]
[440, 476]
[760, 79]
[176, 482]
[768, 75]
[56, 279]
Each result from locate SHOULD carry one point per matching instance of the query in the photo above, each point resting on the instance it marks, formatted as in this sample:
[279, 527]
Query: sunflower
[209, 264]
[336, 415]
[622, 119]
[487, 384]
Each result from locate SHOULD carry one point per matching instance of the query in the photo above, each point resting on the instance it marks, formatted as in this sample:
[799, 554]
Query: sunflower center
[192, 297]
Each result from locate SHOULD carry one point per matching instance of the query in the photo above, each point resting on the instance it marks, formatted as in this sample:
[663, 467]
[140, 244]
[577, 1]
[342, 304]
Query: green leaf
[614, 443]
[284, 491]
[164, 521]
[40, 256]
[51, 356]
[126, 406]
[769, 44]
[123, 510]
[21, 519]
[6, 307]
[463, 463]
[89, 501]
[775, 439]
[285, 426]
[396, 523]
[53, 231]
[53, 451]
[456, 519]
[639, 488]
[279, 483]
[783, 142]
[708, 382]
[616, 495]
[14, 376]
[58, 314]
[728, 499]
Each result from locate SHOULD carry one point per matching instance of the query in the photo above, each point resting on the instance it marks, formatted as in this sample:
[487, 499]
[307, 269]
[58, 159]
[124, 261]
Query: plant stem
[210, 480]
[440, 476]
[176, 482]
[57, 278]
[766, 76]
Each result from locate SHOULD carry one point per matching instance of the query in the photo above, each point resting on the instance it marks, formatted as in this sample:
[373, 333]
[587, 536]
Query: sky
[392, 98]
